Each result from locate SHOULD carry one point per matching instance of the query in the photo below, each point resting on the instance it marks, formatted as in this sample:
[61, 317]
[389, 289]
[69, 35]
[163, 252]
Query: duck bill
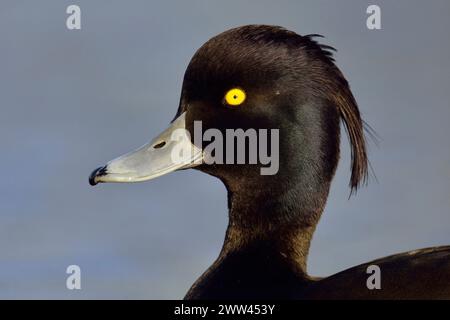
[171, 150]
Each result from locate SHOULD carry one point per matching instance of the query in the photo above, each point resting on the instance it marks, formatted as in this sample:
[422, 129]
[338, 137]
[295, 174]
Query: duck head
[259, 77]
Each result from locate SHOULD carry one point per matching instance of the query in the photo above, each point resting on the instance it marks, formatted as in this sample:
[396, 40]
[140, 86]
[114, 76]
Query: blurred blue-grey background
[71, 100]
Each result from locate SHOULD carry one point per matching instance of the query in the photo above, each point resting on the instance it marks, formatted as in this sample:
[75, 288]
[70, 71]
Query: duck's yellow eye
[235, 97]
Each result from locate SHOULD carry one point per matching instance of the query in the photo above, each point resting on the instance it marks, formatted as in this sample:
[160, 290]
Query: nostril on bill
[159, 145]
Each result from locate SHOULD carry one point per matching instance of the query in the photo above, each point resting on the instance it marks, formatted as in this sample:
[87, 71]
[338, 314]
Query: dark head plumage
[264, 56]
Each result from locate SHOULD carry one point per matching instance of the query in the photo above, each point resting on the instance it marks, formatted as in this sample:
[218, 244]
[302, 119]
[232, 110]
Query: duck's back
[419, 274]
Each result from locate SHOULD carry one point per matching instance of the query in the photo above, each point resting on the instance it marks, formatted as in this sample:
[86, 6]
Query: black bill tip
[101, 171]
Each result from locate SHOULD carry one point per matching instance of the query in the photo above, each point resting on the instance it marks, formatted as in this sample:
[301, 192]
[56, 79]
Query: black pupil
[235, 96]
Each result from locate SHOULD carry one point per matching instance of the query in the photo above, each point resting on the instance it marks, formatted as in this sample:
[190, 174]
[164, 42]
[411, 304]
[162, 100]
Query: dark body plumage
[419, 274]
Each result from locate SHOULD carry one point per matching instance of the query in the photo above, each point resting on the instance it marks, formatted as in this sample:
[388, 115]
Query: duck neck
[279, 226]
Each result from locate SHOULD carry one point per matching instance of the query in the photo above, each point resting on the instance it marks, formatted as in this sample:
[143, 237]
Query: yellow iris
[235, 97]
